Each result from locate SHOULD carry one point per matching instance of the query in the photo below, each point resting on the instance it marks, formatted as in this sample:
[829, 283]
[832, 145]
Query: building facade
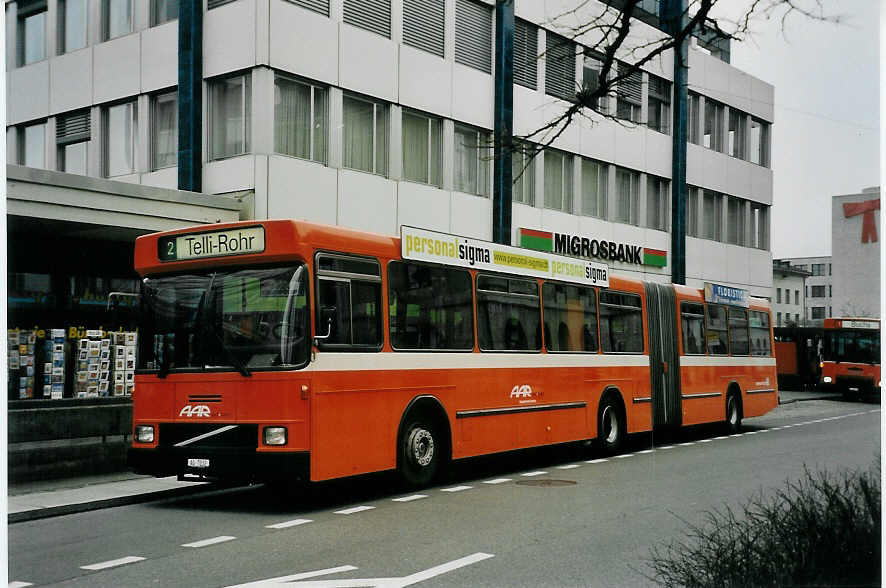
[855, 238]
[789, 297]
[369, 115]
[819, 287]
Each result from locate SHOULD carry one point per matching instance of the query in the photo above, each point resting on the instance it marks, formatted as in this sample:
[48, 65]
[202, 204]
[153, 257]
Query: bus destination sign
[860, 324]
[239, 241]
[423, 245]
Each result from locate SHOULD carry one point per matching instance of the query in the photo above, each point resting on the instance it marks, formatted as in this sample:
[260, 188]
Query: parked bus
[798, 357]
[289, 350]
[850, 358]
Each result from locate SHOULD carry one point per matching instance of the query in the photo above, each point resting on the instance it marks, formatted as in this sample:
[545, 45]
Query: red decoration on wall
[868, 222]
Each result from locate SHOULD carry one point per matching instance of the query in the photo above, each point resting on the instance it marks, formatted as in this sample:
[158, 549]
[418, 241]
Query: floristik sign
[577, 246]
[719, 294]
[423, 245]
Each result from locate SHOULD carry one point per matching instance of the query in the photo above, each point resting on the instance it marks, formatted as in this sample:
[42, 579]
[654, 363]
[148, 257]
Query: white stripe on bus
[380, 361]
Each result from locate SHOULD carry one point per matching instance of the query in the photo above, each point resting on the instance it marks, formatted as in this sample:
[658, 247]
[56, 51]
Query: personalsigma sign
[424, 245]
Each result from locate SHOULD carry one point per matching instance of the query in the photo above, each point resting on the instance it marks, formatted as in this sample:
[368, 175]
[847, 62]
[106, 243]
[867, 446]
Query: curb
[783, 402]
[66, 509]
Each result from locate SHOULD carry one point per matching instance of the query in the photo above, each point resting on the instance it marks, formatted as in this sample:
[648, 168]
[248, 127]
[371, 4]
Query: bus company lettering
[218, 244]
[584, 247]
[197, 410]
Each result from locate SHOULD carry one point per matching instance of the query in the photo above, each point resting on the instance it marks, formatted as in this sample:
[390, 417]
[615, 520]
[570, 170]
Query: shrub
[823, 530]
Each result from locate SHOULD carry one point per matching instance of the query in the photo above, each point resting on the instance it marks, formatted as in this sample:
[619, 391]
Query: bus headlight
[275, 435]
[144, 433]
[827, 379]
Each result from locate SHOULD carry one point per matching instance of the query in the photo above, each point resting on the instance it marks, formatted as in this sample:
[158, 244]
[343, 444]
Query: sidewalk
[48, 498]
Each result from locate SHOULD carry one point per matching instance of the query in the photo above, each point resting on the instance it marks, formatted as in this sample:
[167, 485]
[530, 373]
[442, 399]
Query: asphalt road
[554, 517]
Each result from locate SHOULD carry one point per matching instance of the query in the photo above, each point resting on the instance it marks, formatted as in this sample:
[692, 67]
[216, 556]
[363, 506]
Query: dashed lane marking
[533, 474]
[687, 444]
[287, 524]
[409, 498]
[705, 440]
[211, 541]
[667, 446]
[498, 481]
[354, 509]
[571, 466]
[597, 460]
[721, 437]
[19, 584]
[110, 564]
[624, 455]
[647, 451]
[456, 489]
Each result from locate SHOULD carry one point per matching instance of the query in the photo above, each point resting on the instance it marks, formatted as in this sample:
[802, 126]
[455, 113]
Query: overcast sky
[825, 140]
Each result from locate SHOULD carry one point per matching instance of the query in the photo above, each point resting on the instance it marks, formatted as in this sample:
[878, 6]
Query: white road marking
[705, 440]
[752, 432]
[667, 447]
[722, 437]
[110, 564]
[410, 498]
[647, 451]
[571, 466]
[19, 584]
[533, 474]
[294, 580]
[497, 481]
[688, 443]
[596, 460]
[212, 541]
[624, 455]
[287, 524]
[354, 509]
[456, 489]
[875, 410]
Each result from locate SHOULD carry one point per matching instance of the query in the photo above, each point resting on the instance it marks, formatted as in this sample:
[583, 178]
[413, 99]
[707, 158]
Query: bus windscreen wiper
[230, 355]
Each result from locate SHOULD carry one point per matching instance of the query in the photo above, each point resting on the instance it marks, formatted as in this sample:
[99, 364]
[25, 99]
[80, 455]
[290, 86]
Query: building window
[787, 296]
[736, 138]
[229, 116]
[830, 313]
[778, 319]
[31, 31]
[806, 291]
[735, 222]
[759, 142]
[473, 35]
[594, 188]
[301, 119]
[559, 67]
[32, 145]
[164, 130]
[829, 269]
[694, 105]
[830, 291]
[629, 93]
[659, 102]
[818, 312]
[117, 18]
[210, 4]
[523, 173]
[371, 15]
[627, 193]
[318, 6]
[778, 295]
[423, 25]
[422, 148]
[818, 269]
[817, 291]
[71, 25]
[365, 135]
[525, 54]
[713, 125]
[657, 203]
[712, 208]
[558, 180]
[72, 132]
[796, 297]
[760, 227]
[163, 11]
[472, 157]
[692, 212]
[120, 139]
[592, 68]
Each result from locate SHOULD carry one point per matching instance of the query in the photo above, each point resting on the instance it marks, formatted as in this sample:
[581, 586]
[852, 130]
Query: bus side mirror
[327, 315]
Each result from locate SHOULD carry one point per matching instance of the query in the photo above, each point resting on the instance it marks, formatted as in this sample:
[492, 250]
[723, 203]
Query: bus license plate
[198, 463]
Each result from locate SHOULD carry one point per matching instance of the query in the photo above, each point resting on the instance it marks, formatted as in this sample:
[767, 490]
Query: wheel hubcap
[733, 412]
[421, 446]
[610, 425]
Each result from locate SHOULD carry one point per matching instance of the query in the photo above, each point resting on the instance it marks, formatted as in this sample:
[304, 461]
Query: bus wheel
[611, 427]
[733, 414]
[420, 450]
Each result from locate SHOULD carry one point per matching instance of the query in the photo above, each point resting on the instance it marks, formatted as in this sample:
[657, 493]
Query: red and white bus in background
[289, 350]
[850, 356]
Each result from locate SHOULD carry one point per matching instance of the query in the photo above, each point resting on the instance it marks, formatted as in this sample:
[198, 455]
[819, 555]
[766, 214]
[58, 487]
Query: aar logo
[524, 391]
[199, 410]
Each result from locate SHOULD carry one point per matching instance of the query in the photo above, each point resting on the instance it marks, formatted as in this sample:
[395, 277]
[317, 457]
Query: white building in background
[819, 288]
[366, 114]
[789, 297]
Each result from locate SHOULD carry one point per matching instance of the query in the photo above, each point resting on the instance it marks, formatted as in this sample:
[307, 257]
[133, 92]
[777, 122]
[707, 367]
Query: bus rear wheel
[733, 414]
[420, 451]
[611, 426]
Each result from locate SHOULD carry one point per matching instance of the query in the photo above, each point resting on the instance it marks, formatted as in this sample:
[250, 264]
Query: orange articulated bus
[290, 350]
[850, 356]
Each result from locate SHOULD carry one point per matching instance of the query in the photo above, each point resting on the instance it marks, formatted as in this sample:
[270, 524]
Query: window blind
[73, 127]
[210, 4]
[371, 15]
[559, 67]
[525, 53]
[423, 22]
[321, 6]
[473, 35]
[631, 87]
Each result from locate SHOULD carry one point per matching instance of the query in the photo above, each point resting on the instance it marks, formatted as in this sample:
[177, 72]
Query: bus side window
[692, 322]
[570, 317]
[508, 314]
[759, 323]
[349, 292]
[621, 322]
[738, 331]
[718, 339]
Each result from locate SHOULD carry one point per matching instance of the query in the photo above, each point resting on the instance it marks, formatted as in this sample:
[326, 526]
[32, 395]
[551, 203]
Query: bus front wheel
[420, 450]
[733, 414]
[611, 426]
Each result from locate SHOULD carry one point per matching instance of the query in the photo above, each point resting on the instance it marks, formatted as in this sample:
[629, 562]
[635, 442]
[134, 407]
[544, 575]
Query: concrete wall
[857, 279]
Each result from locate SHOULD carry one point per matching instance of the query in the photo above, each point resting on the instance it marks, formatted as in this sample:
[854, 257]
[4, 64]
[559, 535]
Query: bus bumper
[221, 464]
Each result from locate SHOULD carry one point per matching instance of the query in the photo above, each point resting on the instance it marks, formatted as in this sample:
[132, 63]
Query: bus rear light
[827, 379]
[275, 435]
[144, 433]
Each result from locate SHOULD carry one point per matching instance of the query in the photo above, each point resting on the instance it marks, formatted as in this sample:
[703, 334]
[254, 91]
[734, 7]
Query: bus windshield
[241, 318]
[852, 346]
